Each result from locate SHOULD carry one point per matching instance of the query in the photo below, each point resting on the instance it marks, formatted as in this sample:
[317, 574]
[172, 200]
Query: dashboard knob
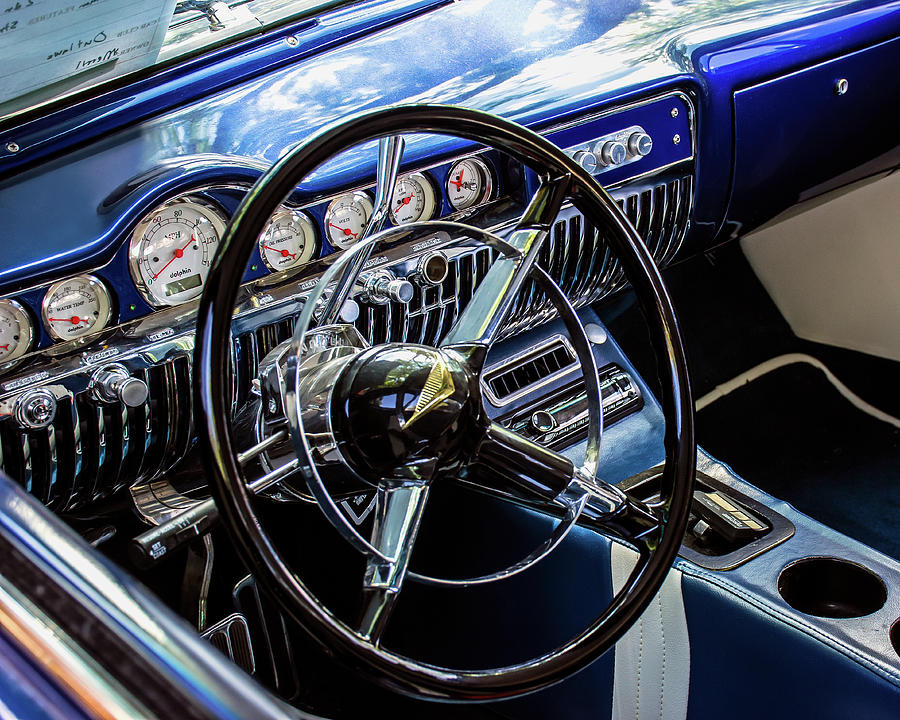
[381, 287]
[431, 269]
[640, 143]
[115, 384]
[611, 152]
[542, 421]
[586, 159]
[35, 409]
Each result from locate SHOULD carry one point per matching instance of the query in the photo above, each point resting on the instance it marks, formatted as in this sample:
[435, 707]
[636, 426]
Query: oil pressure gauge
[288, 241]
[346, 218]
[469, 183]
[172, 250]
[414, 199]
[16, 332]
[76, 307]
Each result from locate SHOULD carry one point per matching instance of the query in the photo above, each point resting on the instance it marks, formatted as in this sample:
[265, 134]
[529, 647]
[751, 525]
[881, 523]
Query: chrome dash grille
[91, 449]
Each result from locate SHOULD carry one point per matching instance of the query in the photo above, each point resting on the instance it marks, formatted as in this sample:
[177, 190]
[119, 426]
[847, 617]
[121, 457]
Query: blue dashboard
[732, 93]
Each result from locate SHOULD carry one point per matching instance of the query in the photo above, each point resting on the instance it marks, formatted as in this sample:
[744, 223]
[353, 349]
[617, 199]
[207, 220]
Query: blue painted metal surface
[539, 63]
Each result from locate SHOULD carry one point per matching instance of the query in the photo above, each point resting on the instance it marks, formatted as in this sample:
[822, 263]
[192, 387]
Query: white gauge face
[172, 250]
[289, 240]
[76, 307]
[468, 183]
[15, 331]
[414, 199]
[346, 218]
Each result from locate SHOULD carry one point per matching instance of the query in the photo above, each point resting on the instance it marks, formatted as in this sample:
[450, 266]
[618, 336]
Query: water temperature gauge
[16, 332]
[76, 307]
[289, 240]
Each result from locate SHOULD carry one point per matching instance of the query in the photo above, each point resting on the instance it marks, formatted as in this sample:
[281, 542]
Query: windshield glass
[51, 48]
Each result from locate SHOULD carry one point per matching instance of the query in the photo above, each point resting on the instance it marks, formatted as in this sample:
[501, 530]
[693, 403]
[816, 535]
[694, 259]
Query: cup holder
[895, 636]
[831, 587]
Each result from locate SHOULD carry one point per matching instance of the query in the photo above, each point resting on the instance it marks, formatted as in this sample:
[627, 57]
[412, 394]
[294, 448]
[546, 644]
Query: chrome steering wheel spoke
[398, 516]
[482, 319]
[512, 467]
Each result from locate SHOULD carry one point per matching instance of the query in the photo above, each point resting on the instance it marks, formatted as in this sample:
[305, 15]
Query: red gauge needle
[346, 231]
[284, 253]
[179, 253]
[458, 181]
[74, 320]
[405, 201]
[5, 347]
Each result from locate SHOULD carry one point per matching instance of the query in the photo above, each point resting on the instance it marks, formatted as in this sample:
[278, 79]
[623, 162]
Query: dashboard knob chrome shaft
[382, 286]
[115, 384]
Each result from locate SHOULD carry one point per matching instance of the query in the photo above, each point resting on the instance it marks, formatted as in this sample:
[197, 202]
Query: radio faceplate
[561, 418]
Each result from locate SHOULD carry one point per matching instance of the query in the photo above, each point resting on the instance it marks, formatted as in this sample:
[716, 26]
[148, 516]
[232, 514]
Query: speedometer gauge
[76, 307]
[15, 331]
[346, 218]
[172, 249]
[469, 183]
[289, 240]
[414, 199]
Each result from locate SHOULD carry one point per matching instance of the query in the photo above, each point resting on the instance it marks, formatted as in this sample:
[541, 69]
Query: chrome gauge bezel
[26, 331]
[309, 226]
[429, 195]
[486, 172]
[212, 212]
[104, 306]
[357, 196]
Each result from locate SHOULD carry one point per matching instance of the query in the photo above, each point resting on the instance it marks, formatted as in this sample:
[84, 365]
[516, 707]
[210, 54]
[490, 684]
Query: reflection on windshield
[51, 48]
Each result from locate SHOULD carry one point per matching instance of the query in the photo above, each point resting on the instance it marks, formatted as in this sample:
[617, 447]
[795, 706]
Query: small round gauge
[289, 240]
[16, 332]
[346, 218]
[76, 307]
[172, 249]
[468, 183]
[414, 199]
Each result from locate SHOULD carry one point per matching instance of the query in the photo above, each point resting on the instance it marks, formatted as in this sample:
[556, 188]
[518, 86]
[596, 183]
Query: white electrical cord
[791, 359]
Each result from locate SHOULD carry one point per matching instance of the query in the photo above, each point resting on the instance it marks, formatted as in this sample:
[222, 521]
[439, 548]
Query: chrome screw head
[841, 86]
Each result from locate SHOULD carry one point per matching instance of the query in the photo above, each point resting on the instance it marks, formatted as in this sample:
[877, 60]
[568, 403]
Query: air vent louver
[523, 373]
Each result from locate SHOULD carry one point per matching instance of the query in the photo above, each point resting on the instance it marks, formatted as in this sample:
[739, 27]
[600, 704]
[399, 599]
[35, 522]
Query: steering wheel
[358, 399]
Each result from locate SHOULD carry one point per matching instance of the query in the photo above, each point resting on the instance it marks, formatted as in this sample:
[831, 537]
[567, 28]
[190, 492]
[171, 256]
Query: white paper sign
[79, 41]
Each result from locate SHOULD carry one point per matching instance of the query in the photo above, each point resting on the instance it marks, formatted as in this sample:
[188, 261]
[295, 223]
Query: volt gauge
[76, 307]
[16, 331]
[346, 218]
[172, 250]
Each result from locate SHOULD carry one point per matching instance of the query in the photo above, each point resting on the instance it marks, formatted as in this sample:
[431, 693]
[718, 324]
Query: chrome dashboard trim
[521, 357]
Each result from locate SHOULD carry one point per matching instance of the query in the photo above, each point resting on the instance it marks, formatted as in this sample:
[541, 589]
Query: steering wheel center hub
[406, 412]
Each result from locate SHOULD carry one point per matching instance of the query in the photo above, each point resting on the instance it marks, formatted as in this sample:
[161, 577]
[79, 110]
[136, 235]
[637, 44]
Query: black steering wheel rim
[212, 394]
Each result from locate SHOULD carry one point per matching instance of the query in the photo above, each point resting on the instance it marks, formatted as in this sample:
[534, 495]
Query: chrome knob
[542, 421]
[586, 159]
[381, 287]
[349, 311]
[431, 269]
[114, 384]
[640, 143]
[611, 152]
[35, 409]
